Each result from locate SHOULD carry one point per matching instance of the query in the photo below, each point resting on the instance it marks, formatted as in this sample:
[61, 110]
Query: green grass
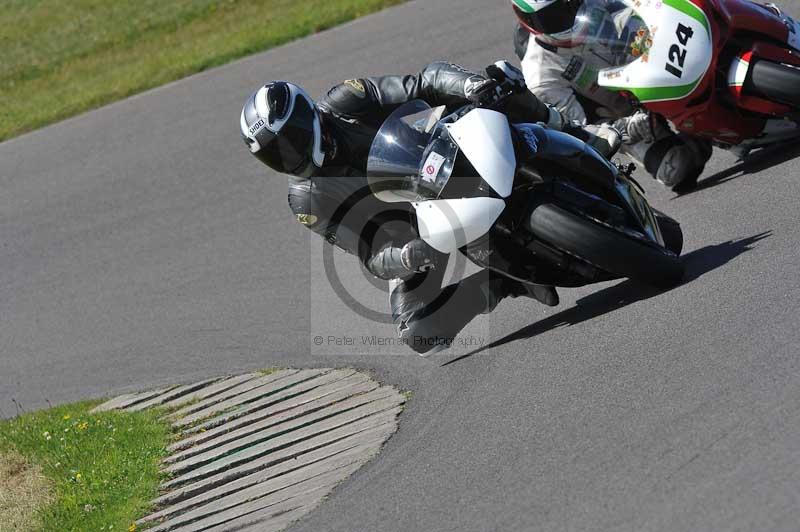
[62, 57]
[104, 467]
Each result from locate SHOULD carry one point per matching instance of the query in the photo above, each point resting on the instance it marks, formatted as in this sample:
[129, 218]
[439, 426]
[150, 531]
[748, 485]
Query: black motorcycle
[533, 204]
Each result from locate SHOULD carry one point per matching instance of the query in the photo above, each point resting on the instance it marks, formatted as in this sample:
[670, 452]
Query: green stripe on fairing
[688, 8]
[651, 94]
[523, 5]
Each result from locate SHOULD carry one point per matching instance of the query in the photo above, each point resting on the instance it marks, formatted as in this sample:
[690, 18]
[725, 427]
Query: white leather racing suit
[670, 158]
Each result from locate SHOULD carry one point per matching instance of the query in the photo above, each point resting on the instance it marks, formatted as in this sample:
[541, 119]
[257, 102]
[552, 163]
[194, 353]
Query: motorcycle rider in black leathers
[324, 148]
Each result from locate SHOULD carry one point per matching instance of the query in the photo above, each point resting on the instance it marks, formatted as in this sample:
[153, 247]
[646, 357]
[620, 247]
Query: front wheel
[671, 231]
[605, 247]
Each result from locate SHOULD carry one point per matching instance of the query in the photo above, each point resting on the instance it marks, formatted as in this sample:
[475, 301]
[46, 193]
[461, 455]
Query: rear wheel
[605, 247]
[776, 81]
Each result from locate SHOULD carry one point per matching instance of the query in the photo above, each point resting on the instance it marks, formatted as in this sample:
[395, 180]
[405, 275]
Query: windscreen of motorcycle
[609, 33]
[412, 156]
[657, 50]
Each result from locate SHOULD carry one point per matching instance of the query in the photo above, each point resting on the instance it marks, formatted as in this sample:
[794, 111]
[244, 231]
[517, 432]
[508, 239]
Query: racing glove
[555, 120]
[638, 127]
[481, 91]
[502, 77]
[508, 75]
[604, 138]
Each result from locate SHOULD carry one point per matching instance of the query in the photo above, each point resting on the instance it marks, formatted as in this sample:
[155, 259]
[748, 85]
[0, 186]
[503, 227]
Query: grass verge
[58, 62]
[102, 469]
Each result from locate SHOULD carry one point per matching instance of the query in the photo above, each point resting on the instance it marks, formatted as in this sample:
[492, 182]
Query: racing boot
[494, 291]
[544, 294]
[676, 161]
[497, 289]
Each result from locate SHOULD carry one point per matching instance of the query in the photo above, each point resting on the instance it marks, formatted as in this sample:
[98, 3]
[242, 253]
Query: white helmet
[281, 125]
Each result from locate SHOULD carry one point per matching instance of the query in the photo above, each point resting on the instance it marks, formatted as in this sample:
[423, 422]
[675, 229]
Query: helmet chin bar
[559, 40]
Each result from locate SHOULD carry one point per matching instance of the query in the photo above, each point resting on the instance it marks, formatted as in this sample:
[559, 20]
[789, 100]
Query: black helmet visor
[555, 18]
[291, 149]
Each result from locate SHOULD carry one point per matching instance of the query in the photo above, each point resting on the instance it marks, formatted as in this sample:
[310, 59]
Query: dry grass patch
[24, 490]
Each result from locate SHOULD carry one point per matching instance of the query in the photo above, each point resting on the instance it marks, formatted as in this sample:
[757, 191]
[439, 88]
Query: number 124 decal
[677, 52]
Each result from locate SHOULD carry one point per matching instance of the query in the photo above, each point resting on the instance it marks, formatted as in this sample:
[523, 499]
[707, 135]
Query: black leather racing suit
[337, 203]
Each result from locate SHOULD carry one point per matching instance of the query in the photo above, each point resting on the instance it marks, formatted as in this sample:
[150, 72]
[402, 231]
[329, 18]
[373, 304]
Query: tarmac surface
[142, 246]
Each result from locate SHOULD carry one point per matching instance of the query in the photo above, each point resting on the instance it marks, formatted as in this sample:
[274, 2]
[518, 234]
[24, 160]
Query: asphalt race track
[141, 245]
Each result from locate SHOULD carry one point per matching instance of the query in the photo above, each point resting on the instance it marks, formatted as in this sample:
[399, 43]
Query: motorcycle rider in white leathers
[542, 42]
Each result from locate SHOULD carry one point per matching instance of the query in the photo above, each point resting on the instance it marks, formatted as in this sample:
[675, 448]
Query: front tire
[605, 247]
[671, 231]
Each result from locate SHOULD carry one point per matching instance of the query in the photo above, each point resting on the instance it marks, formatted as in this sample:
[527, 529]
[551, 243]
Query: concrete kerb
[263, 450]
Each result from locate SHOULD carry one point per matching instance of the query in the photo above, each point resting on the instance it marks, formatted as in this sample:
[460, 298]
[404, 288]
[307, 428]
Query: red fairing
[743, 15]
[754, 103]
[737, 75]
[719, 122]
[778, 54]
[677, 110]
[702, 113]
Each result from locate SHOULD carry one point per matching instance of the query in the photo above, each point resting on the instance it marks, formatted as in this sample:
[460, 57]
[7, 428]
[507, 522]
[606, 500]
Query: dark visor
[290, 150]
[555, 18]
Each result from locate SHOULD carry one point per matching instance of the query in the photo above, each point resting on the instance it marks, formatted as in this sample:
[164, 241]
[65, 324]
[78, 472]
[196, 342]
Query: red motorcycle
[726, 70]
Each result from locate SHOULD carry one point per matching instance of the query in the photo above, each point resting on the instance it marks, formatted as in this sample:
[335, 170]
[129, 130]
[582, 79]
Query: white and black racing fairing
[475, 182]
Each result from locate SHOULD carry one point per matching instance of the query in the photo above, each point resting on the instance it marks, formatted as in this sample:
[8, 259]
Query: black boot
[544, 294]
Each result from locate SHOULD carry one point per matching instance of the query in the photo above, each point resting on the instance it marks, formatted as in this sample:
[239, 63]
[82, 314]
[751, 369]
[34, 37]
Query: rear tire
[776, 82]
[605, 247]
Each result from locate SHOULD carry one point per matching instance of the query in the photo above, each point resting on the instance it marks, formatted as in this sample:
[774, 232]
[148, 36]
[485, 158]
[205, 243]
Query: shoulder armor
[347, 98]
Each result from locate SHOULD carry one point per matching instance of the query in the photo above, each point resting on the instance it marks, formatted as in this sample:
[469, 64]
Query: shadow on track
[757, 162]
[709, 258]
[698, 263]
